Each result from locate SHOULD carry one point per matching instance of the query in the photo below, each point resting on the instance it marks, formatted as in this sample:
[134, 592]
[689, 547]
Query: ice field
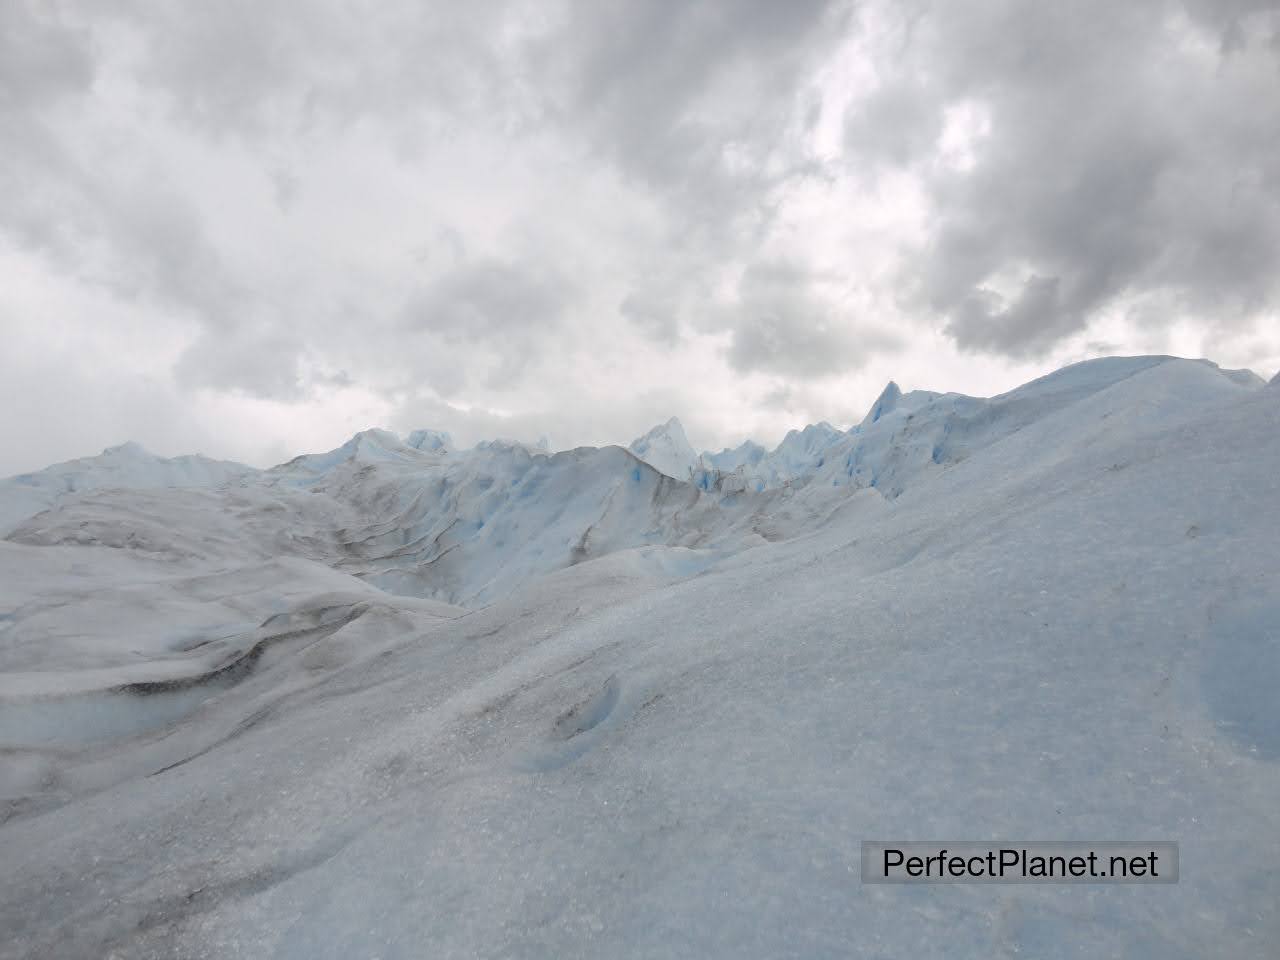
[405, 700]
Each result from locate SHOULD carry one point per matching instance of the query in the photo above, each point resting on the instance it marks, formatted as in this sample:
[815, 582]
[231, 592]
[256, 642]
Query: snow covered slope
[1047, 615]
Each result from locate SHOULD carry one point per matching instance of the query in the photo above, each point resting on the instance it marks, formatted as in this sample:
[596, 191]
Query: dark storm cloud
[783, 326]
[665, 86]
[1133, 150]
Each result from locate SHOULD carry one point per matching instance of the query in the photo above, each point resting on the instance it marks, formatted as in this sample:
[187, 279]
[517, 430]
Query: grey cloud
[284, 186]
[658, 88]
[511, 311]
[780, 398]
[254, 362]
[699, 106]
[896, 125]
[781, 324]
[802, 404]
[656, 315]
[141, 240]
[42, 57]
[664, 86]
[658, 91]
[1119, 162]
[490, 297]
[131, 233]
[1032, 321]
[261, 69]
[75, 404]
[163, 251]
[43, 62]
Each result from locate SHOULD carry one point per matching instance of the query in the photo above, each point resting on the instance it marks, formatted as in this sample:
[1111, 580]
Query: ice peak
[887, 400]
[666, 449]
[673, 430]
[673, 427]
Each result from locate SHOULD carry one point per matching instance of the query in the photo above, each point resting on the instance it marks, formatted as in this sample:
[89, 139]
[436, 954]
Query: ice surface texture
[401, 700]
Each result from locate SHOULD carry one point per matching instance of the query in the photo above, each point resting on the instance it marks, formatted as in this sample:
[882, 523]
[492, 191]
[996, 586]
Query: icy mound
[367, 447]
[431, 441]
[746, 454]
[125, 466]
[476, 527]
[906, 438]
[904, 435]
[800, 453]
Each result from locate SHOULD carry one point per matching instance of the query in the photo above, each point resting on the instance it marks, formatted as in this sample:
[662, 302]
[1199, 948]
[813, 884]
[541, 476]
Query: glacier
[403, 699]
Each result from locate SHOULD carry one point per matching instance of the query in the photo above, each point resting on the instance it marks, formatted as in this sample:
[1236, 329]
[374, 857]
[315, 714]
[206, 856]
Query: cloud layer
[270, 224]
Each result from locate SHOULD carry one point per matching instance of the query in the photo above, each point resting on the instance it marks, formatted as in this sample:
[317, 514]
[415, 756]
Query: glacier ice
[401, 699]
[666, 449]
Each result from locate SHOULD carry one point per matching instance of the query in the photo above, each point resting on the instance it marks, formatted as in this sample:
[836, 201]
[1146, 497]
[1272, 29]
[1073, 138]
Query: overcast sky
[252, 228]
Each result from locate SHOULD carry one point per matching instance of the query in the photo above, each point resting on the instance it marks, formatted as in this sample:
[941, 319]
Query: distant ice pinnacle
[430, 440]
[666, 449]
[888, 399]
